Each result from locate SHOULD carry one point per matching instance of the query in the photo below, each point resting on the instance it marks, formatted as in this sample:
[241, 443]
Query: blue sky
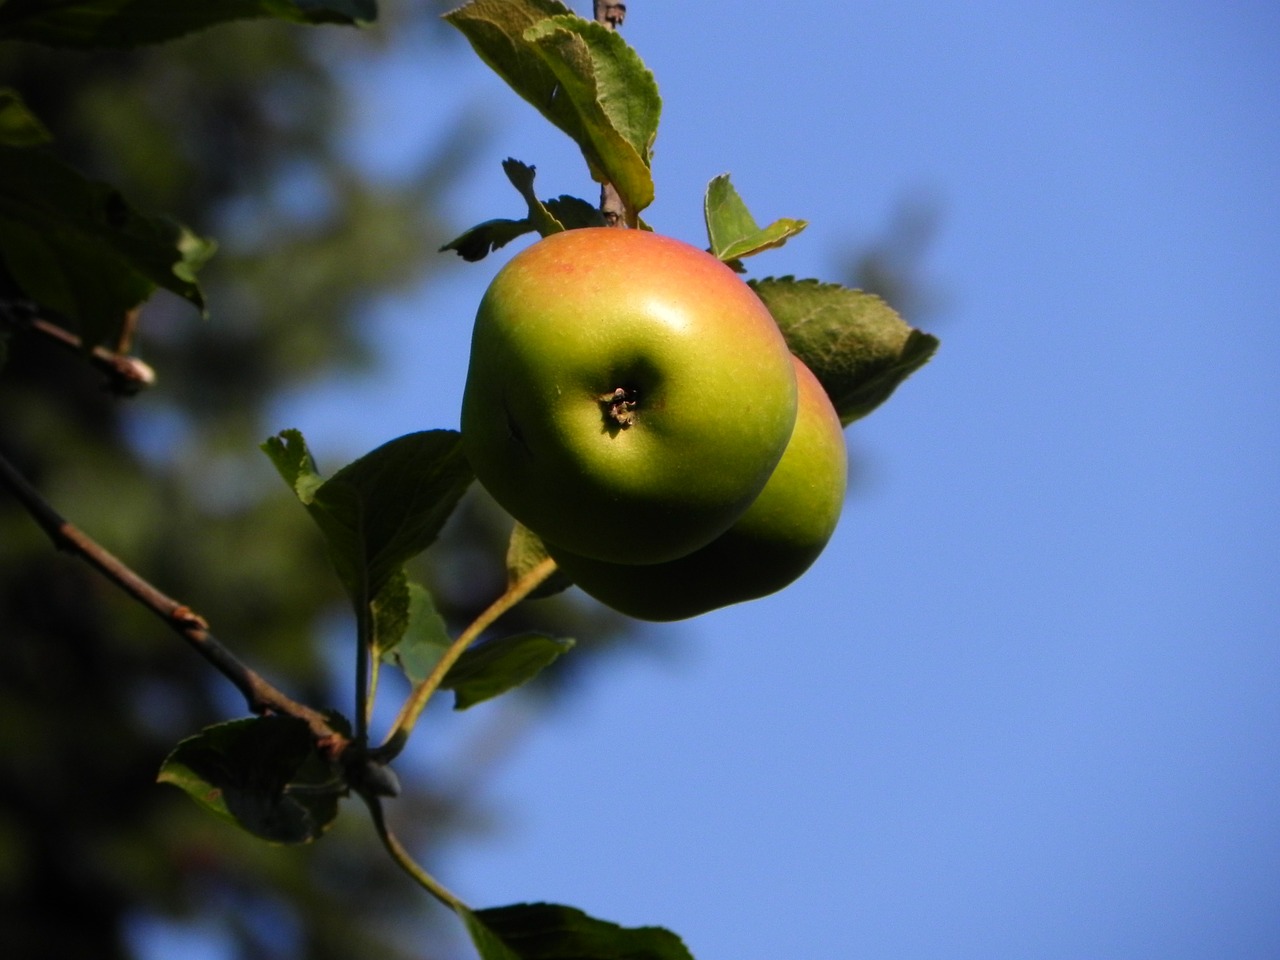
[1027, 704]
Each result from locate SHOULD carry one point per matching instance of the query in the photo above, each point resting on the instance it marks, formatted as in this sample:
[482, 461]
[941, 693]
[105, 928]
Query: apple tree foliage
[78, 260]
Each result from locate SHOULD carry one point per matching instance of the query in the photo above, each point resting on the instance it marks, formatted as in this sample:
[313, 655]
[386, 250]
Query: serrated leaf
[490, 669]
[19, 127]
[424, 638]
[578, 74]
[129, 23]
[854, 342]
[525, 550]
[732, 231]
[78, 248]
[263, 774]
[548, 931]
[381, 510]
[615, 97]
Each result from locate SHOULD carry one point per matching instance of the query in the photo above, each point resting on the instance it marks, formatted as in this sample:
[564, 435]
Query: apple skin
[628, 395]
[770, 545]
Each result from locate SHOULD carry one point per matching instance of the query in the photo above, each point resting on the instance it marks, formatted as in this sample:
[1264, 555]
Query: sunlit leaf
[733, 232]
[525, 550]
[854, 342]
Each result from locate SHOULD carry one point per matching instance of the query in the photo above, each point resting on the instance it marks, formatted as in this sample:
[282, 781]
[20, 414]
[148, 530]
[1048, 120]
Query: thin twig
[260, 695]
[418, 697]
[126, 375]
[612, 208]
[406, 862]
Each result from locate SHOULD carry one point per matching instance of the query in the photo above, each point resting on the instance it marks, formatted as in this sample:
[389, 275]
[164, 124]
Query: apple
[628, 395]
[770, 545]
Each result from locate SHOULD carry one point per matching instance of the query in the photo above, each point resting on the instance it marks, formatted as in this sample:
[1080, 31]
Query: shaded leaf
[540, 218]
[381, 510]
[129, 23]
[854, 342]
[490, 669]
[525, 550]
[263, 774]
[732, 231]
[545, 217]
[19, 127]
[78, 248]
[548, 931]
[482, 239]
[424, 638]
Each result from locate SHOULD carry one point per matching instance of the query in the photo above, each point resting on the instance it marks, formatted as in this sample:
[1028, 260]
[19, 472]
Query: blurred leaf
[129, 23]
[490, 669]
[854, 342]
[19, 127]
[525, 550]
[424, 638]
[76, 246]
[581, 76]
[548, 931]
[262, 774]
[381, 510]
[731, 229]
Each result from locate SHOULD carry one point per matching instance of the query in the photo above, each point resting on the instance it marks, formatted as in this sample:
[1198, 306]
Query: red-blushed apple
[770, 545]
[628, 395]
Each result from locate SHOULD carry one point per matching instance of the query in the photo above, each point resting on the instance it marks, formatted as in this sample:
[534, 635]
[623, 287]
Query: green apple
[627, 395]
[770, 545]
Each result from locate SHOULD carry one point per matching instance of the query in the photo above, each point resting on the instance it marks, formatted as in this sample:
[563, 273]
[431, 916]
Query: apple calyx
[619, 407]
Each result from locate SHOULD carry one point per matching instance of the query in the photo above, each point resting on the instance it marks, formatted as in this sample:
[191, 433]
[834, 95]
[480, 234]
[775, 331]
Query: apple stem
[611, 14]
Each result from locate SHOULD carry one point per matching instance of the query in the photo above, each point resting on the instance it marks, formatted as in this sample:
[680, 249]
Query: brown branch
[260, 695]
[126, 375]
[612, 208]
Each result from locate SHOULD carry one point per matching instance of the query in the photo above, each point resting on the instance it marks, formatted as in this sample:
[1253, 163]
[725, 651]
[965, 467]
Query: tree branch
[126, 375]
[612, 208]
[260, 695]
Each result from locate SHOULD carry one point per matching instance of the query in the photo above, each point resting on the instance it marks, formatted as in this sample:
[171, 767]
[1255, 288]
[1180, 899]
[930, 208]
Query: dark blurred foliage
[94, 691]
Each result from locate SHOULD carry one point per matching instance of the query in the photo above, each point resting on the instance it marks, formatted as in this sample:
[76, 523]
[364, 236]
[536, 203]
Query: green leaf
[19, 127]
[731, 229]
[288, 452]
[521, 177]
[482, 239]
[263, 774]
[378, 512]
[490, 669]
[548, 931]
[581, 76]
[77, 247]
[423, 640]
[128, 23]
[615, 97]
[546, 217]
[525, 550]
[854, 342]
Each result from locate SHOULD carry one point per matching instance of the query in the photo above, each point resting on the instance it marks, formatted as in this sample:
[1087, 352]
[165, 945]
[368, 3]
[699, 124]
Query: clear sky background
[1027, 704]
